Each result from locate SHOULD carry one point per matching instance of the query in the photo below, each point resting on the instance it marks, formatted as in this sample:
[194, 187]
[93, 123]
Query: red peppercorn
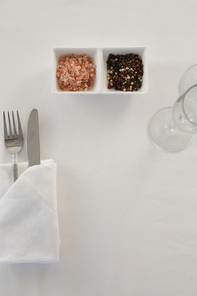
[136, 57]
[109, 86]
[140, 71]
[122, 75]
[113, 82]
[127, 89]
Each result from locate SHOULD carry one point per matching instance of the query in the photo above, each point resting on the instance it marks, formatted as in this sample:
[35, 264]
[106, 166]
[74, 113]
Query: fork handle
[15, 171]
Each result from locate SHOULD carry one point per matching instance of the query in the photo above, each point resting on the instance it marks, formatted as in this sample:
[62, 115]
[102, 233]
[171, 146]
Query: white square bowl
[94, 53]
[141, 51]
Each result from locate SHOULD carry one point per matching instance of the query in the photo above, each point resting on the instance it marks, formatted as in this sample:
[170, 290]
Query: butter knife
[33, 141]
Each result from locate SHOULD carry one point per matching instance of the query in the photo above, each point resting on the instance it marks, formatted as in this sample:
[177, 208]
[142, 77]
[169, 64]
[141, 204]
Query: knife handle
[15, 171]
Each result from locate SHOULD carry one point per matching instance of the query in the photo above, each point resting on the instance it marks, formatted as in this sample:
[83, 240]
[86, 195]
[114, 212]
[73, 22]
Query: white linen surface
[127, 210]
[28, 214]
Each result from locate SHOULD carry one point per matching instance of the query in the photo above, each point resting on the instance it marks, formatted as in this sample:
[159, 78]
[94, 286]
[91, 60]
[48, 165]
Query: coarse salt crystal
[75, 72]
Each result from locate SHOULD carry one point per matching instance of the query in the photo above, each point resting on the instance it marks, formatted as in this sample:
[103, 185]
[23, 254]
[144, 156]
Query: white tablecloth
[127, 210]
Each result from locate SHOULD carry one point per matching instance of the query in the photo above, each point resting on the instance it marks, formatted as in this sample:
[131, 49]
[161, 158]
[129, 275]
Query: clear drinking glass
[173, 128]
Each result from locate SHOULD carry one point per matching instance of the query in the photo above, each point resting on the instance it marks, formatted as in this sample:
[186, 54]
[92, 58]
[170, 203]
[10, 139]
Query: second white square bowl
[141, 51]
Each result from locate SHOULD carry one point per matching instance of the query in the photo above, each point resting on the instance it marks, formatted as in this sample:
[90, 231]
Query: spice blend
[124, 72]
[75, 72]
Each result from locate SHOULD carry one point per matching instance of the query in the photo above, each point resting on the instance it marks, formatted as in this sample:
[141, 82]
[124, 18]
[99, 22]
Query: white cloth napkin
[29, 229]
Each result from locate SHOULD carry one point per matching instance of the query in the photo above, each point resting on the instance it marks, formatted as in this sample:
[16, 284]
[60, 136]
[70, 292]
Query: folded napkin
[29, 229]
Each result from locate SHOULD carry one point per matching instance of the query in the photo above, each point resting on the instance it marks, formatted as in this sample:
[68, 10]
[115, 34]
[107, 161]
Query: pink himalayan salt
[75, 72]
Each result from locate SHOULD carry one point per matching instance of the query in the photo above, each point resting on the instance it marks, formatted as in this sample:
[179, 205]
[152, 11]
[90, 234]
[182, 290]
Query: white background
[127, 210]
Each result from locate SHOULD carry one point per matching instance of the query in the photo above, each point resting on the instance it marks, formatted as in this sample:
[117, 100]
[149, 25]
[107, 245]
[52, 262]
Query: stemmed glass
[173, 128]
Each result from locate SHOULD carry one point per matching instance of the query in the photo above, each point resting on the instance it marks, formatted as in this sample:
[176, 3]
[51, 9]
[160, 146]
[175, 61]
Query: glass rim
[183, 102]
[183, 76]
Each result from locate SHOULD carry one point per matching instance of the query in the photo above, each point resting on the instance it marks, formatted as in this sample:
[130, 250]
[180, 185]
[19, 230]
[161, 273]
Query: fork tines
[13, 140]
[12, 132]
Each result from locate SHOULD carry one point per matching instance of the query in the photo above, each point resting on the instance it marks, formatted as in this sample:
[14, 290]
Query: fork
[13, 140]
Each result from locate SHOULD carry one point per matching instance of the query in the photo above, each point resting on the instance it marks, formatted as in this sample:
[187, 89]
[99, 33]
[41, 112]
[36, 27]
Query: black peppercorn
[124, 72]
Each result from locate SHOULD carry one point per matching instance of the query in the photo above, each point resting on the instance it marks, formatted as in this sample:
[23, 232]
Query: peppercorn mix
[124, 72]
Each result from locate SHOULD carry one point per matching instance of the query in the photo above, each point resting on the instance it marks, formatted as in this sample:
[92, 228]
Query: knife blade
[33, 140]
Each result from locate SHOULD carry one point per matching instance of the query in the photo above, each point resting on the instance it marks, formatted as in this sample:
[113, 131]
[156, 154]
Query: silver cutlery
[13, 140]
[33, 142]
